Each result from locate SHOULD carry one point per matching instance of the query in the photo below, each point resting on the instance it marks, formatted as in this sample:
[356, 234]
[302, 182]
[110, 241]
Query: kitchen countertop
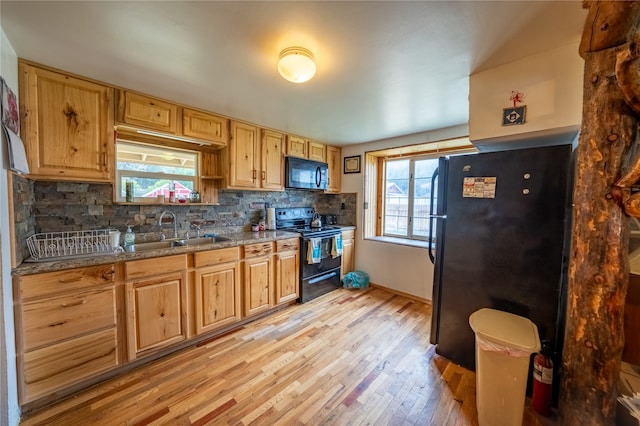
[235, 239]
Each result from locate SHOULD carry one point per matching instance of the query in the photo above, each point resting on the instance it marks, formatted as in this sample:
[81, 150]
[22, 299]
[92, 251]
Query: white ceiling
[385, 69]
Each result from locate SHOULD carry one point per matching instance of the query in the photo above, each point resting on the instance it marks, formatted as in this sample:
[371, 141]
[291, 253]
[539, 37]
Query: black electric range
[322, 274]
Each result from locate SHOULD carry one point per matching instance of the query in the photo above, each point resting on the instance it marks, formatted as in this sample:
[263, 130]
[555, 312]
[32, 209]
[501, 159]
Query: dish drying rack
[55, 245]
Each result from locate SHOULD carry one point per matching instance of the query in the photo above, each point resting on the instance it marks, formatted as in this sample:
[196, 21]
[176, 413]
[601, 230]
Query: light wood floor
[350, 357]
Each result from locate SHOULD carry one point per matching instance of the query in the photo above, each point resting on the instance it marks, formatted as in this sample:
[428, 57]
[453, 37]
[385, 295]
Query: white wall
[402, 268]
[552, 86]
[9, 408]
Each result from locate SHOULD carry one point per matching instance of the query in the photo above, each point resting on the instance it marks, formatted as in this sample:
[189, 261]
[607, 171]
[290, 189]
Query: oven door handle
[322, 277]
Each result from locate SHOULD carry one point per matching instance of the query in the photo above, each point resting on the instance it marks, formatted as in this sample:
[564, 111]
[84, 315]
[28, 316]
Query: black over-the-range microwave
[305, 174]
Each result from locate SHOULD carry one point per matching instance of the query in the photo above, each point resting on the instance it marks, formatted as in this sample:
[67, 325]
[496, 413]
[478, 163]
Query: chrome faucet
[175, 221]
[187, 234]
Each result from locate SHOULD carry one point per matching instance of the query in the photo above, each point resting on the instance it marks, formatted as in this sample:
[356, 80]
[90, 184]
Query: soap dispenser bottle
[129, 237]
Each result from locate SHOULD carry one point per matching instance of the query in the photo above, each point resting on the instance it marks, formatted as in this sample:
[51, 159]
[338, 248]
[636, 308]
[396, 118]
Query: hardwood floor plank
[347, 358]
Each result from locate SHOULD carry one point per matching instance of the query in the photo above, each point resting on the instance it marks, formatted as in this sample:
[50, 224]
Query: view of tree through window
[407, 195]
[152, 169]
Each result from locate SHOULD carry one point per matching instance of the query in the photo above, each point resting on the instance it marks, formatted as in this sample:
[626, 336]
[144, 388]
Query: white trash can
[504, 344]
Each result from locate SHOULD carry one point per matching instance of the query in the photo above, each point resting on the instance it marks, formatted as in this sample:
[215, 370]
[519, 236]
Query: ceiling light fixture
[296, 64]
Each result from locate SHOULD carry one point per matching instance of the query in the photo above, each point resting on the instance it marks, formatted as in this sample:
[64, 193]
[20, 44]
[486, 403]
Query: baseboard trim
[401, 293]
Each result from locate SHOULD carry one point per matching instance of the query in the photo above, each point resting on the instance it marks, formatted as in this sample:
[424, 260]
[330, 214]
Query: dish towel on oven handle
[336, 246]
[314, 252]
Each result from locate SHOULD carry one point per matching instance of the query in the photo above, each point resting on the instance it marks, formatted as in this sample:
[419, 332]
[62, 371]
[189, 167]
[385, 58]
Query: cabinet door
[348, 253]
[148, 112]
[217, 296]
[334, 159]
[258, 285]
[317, 151]
[155, 313]
[67, 126]
[243, 156]
[272, 174]
[200, 125]
[296, 146]
[287, 273]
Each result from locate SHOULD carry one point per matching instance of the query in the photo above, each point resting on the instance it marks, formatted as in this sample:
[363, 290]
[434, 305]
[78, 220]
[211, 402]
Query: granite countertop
[235, 239]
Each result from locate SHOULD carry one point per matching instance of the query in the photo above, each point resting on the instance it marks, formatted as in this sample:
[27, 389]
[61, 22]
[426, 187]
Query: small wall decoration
[352, 164]
[515, 115]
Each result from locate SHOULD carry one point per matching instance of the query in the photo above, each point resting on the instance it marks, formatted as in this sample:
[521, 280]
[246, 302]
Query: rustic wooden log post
[598, 268]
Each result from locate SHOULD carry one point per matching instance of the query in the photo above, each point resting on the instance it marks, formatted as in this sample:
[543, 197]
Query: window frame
[120, 173]
[410, 235]
[374, 181]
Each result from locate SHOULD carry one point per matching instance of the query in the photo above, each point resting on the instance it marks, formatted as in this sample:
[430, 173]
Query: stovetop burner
[298, 219]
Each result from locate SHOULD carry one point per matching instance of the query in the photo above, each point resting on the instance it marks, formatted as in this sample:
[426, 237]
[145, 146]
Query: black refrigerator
[502, 223]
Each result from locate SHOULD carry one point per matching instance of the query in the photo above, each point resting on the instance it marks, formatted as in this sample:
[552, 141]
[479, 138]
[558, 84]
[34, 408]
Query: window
[153, 169]
[397, 190]
[407, 193]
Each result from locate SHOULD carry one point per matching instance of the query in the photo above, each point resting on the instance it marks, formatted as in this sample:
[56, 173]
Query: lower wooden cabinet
[216, 289]
[68, 362]
[156, 304]
[287, 270]
[348, 240]
[65, 327]
[73, 326]
[257, 278]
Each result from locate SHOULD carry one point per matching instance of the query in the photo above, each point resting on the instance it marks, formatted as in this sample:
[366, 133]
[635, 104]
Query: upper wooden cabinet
[334, 158]
[205, 126]
[297, 146]
[166, 118]
[317, 151]
[304, 148]
[243, 156]
[147, 112]
[272, 163]
[67, 125]
[255, 158]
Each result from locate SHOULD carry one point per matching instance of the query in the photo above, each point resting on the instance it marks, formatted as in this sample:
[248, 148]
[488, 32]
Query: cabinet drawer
[348, 235]
[58, 318]
[155, 266]
[286, 245]
[258, 249]
[215, 257]
[64, 364]
[62, 281]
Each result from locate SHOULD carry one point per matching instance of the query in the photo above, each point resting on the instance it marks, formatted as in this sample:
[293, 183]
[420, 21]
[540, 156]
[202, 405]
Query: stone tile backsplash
[42, 206]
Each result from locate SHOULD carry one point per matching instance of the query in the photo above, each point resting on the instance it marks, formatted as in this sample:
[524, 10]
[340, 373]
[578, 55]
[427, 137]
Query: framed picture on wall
[352, 164]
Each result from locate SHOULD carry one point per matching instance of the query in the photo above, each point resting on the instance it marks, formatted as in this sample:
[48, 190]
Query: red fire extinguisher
[542, 381]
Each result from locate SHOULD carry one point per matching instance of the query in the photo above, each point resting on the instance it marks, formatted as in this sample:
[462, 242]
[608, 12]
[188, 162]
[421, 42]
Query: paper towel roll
[271, 218]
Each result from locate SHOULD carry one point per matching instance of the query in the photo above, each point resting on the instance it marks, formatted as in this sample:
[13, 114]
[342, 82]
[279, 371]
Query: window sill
[401, 241]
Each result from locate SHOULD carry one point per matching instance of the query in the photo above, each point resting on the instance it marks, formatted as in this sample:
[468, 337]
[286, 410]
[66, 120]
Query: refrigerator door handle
[432, 216]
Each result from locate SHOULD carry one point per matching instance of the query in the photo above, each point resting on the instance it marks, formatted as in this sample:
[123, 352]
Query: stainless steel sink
[204, 240]
[157, 245]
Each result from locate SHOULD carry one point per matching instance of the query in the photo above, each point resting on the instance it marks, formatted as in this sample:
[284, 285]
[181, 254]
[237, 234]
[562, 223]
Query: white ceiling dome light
[296, 64]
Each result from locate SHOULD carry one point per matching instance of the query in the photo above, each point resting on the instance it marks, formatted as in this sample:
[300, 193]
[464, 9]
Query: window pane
[421, 195]
[396, 216]
[151, 159]
[154, 168]
[152, 187]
